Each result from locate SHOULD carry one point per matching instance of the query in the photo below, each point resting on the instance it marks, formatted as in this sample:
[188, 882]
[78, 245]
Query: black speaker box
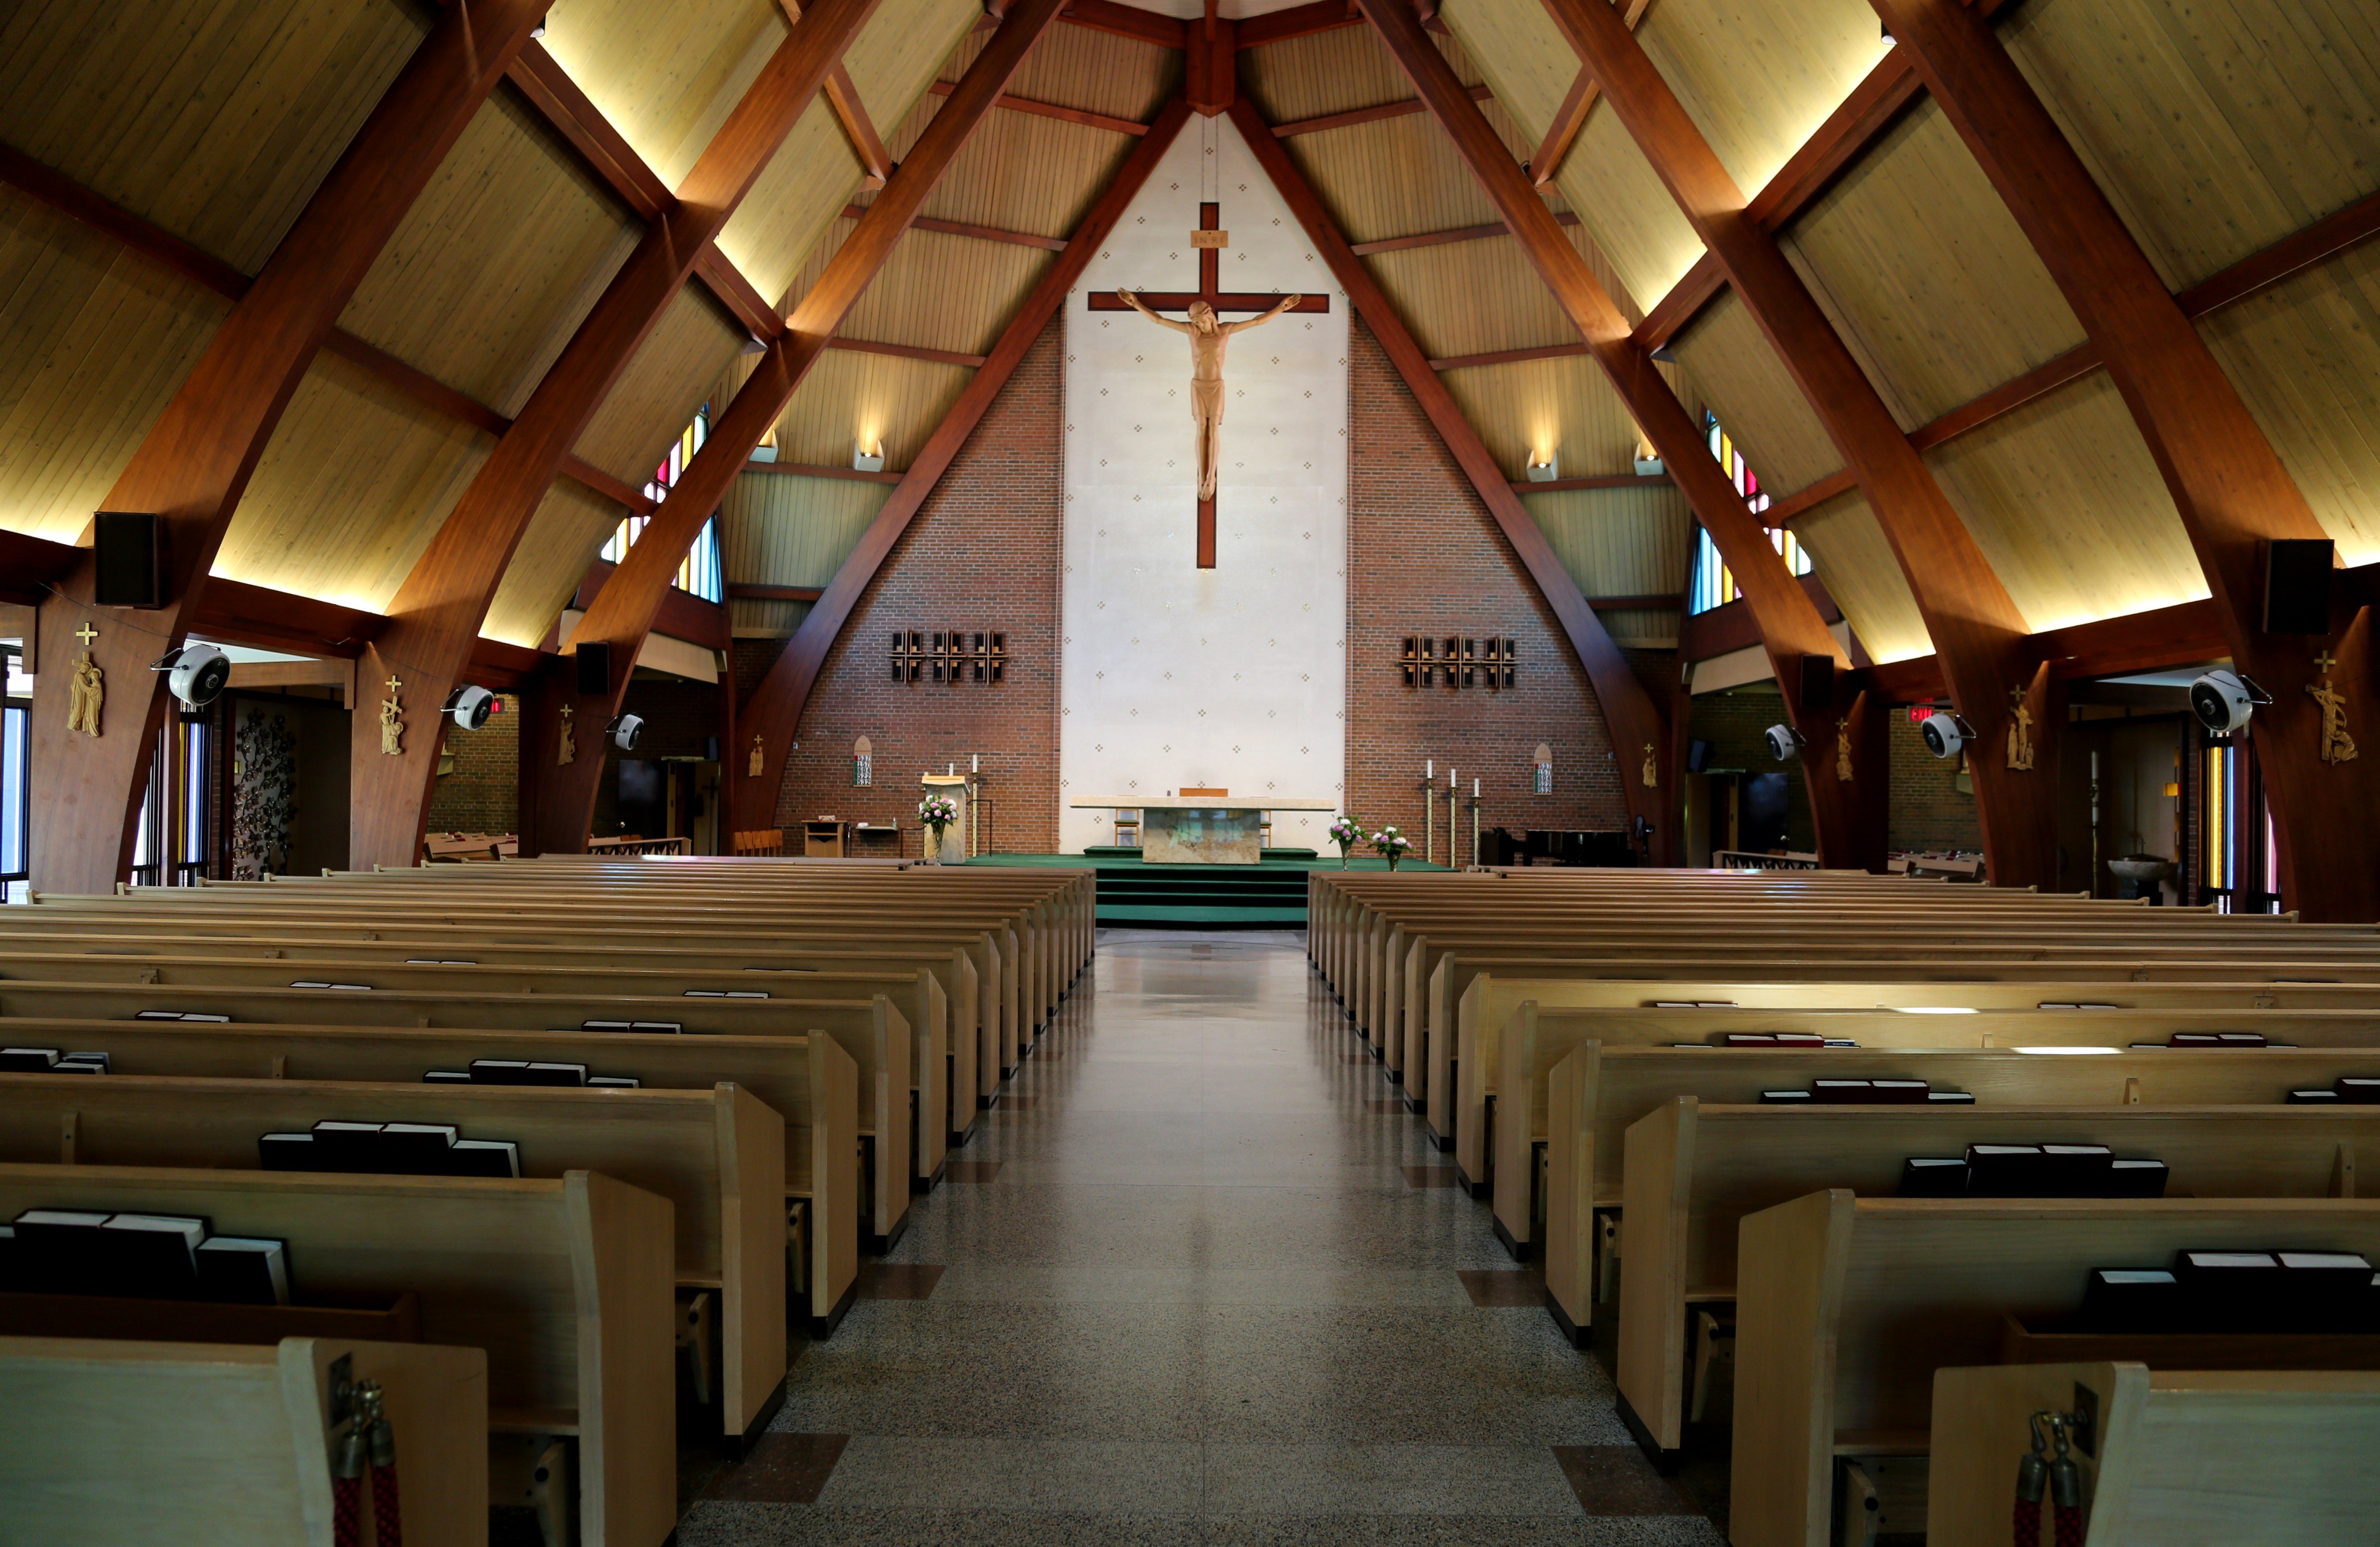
[2297, 586]
[128, 549]
[595, 667]
[1817, 683]
[711, 749]
[1697, 755]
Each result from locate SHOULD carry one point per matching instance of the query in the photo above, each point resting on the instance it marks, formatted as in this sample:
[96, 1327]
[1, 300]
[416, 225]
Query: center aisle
[1198, 1278]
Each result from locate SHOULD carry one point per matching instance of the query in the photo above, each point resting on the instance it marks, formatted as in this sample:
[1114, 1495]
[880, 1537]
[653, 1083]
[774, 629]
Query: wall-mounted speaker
[127, 551]
[2297, 586]
[1817, 684]
[595, 667]
[711, 749]
[1697, 755]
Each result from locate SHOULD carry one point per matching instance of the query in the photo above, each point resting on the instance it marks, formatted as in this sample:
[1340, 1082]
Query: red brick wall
[1928, 809]
[1428, 558]
[483, 792]
[982, 554]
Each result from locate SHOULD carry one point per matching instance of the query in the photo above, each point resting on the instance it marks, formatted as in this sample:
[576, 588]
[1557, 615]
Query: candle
[1449, 778]
[1429, 768]
[1474, 788]
[974, 763]
[2095, 764]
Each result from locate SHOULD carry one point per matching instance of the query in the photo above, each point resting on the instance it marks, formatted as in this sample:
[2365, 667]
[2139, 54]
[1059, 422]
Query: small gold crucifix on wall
[2338, 746]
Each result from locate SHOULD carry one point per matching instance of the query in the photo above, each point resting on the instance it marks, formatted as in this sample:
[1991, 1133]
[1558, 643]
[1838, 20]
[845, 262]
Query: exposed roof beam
[71, 199]
[1126, 21]
[1848, 815]
[1512, 357]
[844, 98]
[194, 463]
[1600, 480]
[603, 150]
[1298, 21]
[981, 233]
[745, 590]
[1974, 624]
[1571, 117]
[2228, 484]
[1366, 114]
[2291, 256]
[1440, 238]
[437, 611]
[774, 710]
[1628, 709]
[623, 613]
[1052, 110]
[905, 352]
[1644, 602]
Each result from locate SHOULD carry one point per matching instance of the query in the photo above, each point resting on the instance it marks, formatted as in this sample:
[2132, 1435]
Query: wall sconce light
[1649, 460]
[767, 449]
[1547, 470]
[868, 461]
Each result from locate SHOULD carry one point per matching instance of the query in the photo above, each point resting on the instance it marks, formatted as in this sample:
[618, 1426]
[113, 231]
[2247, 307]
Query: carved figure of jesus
[85, 693]
[392, 726]
[2020, 740]
[1208, 337]
[2338, 746]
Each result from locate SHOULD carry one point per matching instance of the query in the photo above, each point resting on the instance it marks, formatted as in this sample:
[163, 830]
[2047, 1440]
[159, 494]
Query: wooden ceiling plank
[1976, 628]
[1052, 110]
[194, 463]
[746, 591]
[1440, 238]
[1600, 480]
[1366, 114]
[435, 617]
[2230, 486]
[737, 293]
[1849, 816]
[907, 352]
[623, 613]
[981, 233]
[1635, 718]
[1684, 302]
[774, 711]
[812, 470]
[602, 149]
[1511, 356]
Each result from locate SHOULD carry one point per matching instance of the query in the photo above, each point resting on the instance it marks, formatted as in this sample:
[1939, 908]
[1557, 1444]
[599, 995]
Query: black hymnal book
[347, 1146]
[2133, 1300]
[83, 1063]
[2232, 1291]
[2363, 1089]
[1783, 1098]
[1934, 1177]
[28, 1060]
[2135, 1179]
[2005, 1171]
[59, 1252]
[483, 1157]
[615, 1082]
[414, 1149]
[520, 1071]
[2309, 1098]
[287, 1152]
[154, 1255]
[244, 1270]
[2076, 1170]
[1950, 1098]
[2330, 1291]
[447, 1077]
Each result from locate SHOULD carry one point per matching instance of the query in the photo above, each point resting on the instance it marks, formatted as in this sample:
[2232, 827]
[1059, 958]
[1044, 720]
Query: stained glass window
[1712, 583]
[699, 574]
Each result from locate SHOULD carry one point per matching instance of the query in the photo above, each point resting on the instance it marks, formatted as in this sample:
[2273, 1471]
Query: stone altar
[1203, 829]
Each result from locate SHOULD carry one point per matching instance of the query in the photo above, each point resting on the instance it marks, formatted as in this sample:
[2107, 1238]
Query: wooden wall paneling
[667, 89]
[2305, 356]
[774, 709]
[1094, 72]
[2066, 503]
[1337, 71]
[1392, 178]
[436, 615]
[1632, 717]
[569, 528]
[1565, 405]
[1758, 78]
[2209, 161]
[99, 338]
[848, 400]
[349, 444]
[1125, 21]
[1023, 173]
[1299, 21]
[498, 259]
[1849, 814]
[1977, 631]
[648, 405]
[1619, 543]
[222, 144]
[1479, 298]
[790, 531]
[2230, 485]
[623, 612]
[1741, 379]
[196, 460]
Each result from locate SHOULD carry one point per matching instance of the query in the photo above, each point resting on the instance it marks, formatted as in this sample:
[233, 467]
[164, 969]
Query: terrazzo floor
[1197, 1279]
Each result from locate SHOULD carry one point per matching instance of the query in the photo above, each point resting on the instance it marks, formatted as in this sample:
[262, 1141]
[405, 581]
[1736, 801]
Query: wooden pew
[2179, 1455]
[1846, 1307]
[810, 1082]
[1552, 1018]
[211, 1444]
[717, 1157]
[127, 931]
[1597, 1091]
[1695, 1170]
[917, 996]
[872, 1032]
[1884, 1028]
[565, 1284]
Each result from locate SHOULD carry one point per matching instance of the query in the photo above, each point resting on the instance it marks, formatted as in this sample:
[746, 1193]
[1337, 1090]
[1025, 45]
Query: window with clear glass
[15, 808]
[699, 574]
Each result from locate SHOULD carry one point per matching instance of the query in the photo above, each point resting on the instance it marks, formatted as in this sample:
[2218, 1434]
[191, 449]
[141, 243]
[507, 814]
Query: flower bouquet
[936, 812]
[1391, 845]
[1346, 832]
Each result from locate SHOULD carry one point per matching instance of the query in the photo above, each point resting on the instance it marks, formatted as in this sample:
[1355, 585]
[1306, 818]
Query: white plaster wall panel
[1173, 675]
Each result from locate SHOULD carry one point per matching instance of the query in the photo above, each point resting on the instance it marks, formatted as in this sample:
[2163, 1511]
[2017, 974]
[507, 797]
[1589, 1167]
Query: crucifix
[1209, 333]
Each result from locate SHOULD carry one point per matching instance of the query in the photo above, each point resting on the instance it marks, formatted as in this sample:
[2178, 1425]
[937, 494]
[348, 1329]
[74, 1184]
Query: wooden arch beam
[1847, 813]
[194, 463]
[435, 620]
[2228, 484]
[1979, 636]
[622, 613]
[773, 713]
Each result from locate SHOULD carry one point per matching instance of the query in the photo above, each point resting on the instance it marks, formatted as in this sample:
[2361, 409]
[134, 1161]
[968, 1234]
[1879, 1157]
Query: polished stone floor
[1197, 1279]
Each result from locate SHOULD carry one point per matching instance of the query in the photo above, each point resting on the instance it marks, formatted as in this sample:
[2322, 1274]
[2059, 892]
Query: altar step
[1201, 896]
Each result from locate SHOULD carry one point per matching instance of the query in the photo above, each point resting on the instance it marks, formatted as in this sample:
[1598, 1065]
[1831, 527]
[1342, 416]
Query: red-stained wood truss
[981, 233]
[773, 713]
[1052, 110]
[1405, 109]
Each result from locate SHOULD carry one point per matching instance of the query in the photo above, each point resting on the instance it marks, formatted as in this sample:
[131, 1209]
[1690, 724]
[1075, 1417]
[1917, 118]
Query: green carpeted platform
[1136, 894]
